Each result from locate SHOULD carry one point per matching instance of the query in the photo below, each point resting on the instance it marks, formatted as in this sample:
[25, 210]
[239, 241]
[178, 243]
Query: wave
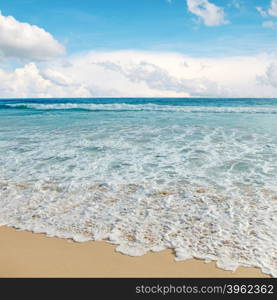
[194, 222]
[143, 107]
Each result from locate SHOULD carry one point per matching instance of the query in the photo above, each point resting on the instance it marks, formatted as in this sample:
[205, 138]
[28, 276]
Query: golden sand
[25, 254]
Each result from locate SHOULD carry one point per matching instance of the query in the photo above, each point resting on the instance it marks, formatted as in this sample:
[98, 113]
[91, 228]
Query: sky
[145, 48]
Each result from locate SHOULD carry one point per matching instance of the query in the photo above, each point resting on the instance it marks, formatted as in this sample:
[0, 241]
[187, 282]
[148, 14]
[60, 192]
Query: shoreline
[27, 254]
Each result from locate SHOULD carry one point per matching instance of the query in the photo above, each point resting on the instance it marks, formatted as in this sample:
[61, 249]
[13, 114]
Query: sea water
[195, 175]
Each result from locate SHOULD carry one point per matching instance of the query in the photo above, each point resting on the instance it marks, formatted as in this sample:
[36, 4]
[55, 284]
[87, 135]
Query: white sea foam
[147, 107]
[205, 192]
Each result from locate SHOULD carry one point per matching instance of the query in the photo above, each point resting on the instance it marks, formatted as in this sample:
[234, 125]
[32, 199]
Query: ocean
[198, 176]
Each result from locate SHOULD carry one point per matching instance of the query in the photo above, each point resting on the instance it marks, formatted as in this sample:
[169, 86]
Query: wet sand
[25, 254]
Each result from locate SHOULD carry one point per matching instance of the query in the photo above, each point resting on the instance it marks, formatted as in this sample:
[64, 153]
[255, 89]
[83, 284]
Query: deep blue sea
[195, 175]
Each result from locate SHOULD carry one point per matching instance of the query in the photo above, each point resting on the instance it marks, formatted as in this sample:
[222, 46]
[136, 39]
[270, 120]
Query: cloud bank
[26, 42]
[142, 74]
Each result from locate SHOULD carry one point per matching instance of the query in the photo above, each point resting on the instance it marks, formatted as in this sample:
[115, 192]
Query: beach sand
[25, 254]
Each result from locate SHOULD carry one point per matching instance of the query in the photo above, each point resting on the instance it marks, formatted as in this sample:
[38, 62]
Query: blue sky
[158, 25]
[138, 48]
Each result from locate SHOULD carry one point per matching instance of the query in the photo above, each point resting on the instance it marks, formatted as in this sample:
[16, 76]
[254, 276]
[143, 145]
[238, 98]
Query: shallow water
[195, 175]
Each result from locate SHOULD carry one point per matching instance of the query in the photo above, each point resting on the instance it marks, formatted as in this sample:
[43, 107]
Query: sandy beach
[25, 254]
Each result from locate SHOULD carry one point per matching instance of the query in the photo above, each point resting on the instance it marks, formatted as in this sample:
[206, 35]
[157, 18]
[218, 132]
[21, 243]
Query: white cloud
[269, 24]
[56, 78]
[26, 42]
[262, 12]
[273, 8]
[30, 81]
[158, 78]
[271, 11]
[24, 82]
[208, 12]
[141, 74]
[270, 77]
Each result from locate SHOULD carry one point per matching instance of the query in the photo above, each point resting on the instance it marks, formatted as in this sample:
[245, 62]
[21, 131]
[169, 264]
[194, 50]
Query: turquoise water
[195, 175]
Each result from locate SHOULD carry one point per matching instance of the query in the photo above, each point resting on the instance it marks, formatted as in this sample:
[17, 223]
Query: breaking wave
[143, 107]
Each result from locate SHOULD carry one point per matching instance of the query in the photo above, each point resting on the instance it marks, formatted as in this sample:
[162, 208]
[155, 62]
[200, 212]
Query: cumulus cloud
[23, 82]
[208, 12]
[142, 74]
[26, 42]
[31, 82]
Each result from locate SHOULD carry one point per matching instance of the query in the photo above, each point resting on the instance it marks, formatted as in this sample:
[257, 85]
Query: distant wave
[142, 107]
